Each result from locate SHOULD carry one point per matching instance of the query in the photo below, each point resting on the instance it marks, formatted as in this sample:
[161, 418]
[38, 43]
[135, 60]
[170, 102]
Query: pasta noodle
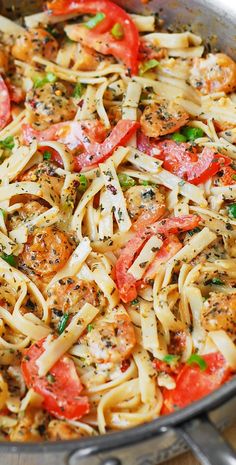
[117, 222]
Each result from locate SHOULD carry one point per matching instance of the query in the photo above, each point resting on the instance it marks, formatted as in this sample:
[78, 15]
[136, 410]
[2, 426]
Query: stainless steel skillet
[194, 426]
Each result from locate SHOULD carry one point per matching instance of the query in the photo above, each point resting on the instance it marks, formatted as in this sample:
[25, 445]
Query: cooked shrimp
[27, 212]
[78, 56]
[219, 312]
[46, 251]
[45, 174]
[145, 204]
[29, 428]
[3, 60]
[37, 41]
[50, 104]
[110, 341]
[59, 429]
[215, 73]
[70, 294]
[159, 119]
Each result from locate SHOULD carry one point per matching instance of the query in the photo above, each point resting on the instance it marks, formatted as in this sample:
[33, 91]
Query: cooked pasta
[117, 221]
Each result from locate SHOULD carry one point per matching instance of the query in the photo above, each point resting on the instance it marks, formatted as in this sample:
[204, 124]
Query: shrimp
[163, 117]
[31, 427]
[50, 104]
[37, 41]
[110, 341]
[27, 212]
[219, 312]
[59, 429]
[70, 294]
[145, 204]
[46, 251]
[45, 174]
[4, 61]
[80, 57]
[215, 73]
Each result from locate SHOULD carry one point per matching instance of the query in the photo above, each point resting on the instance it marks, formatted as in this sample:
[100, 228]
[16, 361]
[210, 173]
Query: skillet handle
[206, 442]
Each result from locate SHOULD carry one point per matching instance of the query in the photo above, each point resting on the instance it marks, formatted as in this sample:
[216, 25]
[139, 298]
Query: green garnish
[181, 183]
[177, 137]
[10, 259]
[197, 360]
[171, 359]
[234, 177]
[194, 231]
[145, 183]
[83, 183]
[78, 90]
[232, 210]
[49, 78]
[95, 20]
[117, 31]
[3, 213]
[62, 323]
[51, 378]
[47, 155]
[147, 65]
[134, 302]
[217, 282]
[126, 181]
[90, 328]
[192, 133]
[7, 143]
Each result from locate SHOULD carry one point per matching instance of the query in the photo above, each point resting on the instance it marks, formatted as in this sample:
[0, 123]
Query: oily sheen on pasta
[117, 221]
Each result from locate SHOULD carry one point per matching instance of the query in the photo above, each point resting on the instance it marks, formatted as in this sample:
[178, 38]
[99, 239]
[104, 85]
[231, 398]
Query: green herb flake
[78, 90]
[83, 183]
[90, 328]
[232, 210]
[147, 65]
[181, 183]
[51, 378]
[234, 177]
[49, 78]
[3, 213]
[117, 31]
[94, 21]
[194, 231]
[171, 359]
[192, 133]
[217, 281]
[47, 155]
[177, 137]
[62, 323]
[134, 302]
[10, 259]
[126, 181]
[197, 360]
[7, 143]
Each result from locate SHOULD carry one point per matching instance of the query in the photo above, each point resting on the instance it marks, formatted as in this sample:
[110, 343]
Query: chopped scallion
[95, 20]
[62, 323]
[147, 65]
[7, 143]
[197, 360]
[126, 181]
[10, 259]
[83, 183]
[117, 31]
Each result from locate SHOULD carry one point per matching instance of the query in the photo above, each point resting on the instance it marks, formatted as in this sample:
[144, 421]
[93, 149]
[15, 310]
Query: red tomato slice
[100, 37]
[87, 136]
[149, 146]
[5, 104]
[149, 217]
[184, 161]
[74, 134]
[97, 153]
[226, 176]
[192, 384]
[170, 247]
[60, 389]
[126, 282]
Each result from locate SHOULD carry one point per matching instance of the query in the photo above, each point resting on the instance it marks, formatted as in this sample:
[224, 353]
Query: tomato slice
[97, 153]
[5, 104]
[100, 37]
[74, 134]
[192, 384]
[87, 137]
[126, 282]
[60, 388]
[184, 161]
[149, 146]
[170, 247]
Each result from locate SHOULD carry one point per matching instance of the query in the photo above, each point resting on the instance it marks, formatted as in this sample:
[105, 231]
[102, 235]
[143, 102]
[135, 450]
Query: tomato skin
[87, 137]
[97, 153]
[126, 282]
[192, 384]
[226, 176]
[170, 247]
[5, 107]
[61, 396]
[184, 161]
[149, 146]
[125, 49]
